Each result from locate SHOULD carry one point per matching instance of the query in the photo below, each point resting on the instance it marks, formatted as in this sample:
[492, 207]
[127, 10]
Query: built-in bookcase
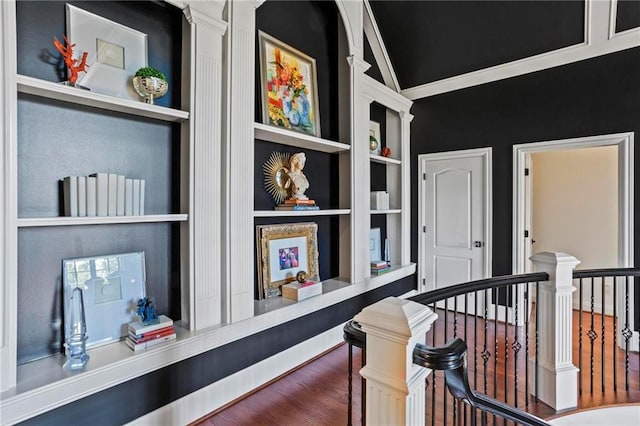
[200, 150]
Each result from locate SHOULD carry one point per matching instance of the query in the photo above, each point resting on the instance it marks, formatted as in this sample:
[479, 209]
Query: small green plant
[150, 72]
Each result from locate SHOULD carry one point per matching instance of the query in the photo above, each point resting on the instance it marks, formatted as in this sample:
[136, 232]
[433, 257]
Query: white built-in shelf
[383, 160]
[281, 213]
[389, 211]
[43, 384]
[58, 91]
[299, 140]
[100, 220]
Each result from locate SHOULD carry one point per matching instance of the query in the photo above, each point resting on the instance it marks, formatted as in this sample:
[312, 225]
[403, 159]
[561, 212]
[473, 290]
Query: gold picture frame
[283, 251]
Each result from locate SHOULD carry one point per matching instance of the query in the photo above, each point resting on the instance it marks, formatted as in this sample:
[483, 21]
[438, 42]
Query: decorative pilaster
[360, 194]
[556, 376]
[239, 157]
[395, 385]
[205, 106]
[405, 182]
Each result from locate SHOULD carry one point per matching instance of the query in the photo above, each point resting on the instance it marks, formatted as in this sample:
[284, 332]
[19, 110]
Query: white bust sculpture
[298, 182]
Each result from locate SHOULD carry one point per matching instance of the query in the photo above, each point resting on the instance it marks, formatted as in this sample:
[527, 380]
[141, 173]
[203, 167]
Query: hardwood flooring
[316, 393]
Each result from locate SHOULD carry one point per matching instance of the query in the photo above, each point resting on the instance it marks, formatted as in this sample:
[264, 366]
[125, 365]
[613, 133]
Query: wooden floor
[316, 394]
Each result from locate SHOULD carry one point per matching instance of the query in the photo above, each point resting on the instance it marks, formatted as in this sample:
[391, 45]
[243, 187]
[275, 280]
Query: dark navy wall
[593, 97]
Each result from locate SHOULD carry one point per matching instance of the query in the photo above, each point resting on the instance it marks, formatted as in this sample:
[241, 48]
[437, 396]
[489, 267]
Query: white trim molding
[376, 42]
[600, 39]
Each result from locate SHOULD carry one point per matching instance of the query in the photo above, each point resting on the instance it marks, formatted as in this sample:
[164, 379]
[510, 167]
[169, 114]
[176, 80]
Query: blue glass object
[147, 311]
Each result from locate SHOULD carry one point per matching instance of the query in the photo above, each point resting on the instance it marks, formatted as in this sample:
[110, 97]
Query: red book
[151, 335]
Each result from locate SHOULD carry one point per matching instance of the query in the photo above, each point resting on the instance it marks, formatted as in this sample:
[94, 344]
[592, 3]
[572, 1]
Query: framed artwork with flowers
[289, 87]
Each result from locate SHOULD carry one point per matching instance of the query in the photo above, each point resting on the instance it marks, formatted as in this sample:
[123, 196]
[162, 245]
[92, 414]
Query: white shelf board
[383, 160]
[390, 211]
[283, 213]
[50, 90]
[100, 220]
[299, 140]
[44, 385]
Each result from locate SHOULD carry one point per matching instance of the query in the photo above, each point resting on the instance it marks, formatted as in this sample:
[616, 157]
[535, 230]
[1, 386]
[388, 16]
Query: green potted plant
[150, 83]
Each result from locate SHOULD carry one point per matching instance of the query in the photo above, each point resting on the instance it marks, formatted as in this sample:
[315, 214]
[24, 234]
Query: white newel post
[556, 375]
[395, 386]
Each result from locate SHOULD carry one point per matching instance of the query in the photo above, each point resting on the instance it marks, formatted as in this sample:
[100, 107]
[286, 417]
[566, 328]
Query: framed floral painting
[289, 87]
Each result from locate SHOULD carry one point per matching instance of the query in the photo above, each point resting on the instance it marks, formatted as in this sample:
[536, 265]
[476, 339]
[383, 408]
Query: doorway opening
[522, 166]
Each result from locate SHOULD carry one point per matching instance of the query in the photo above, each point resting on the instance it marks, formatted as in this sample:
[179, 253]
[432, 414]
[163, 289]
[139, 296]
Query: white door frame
[485, 153]
[624, 142]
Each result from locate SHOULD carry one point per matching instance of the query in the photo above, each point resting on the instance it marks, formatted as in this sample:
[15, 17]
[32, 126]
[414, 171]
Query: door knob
[478, 243]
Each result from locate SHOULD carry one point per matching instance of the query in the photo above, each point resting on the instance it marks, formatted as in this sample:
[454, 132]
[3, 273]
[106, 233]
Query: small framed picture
[375, 138]
[289, 87]
[375, 249]
[115, 52]
[283, 251]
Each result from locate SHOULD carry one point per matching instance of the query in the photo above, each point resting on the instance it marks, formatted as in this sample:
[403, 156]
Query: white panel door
[454, 246]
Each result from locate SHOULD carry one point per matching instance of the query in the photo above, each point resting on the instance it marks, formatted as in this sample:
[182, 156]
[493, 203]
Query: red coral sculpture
[75, 66]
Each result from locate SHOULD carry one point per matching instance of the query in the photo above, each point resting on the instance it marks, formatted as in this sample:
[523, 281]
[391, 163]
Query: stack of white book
[103, 194]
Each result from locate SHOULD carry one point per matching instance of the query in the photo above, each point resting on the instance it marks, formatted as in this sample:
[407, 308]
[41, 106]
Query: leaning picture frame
[375, 249]
[289, 88]
[115, 52]
[112, 285]
[283, 251]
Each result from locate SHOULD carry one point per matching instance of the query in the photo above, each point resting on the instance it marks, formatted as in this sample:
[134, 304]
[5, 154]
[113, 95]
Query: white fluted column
[395, 385]
[557, 377]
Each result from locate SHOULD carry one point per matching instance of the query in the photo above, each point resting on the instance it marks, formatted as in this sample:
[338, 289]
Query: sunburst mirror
[275, 176]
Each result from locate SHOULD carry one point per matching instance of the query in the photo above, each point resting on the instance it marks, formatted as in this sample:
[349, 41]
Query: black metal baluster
[592, 333]
[526, 344]
[602, 316]
[446, 334]
[506, 347]
[349, 387]
[433, 386]
[475, 349]
[485, 352]
[627, 333]
[495, 347]
[466, 339]
[516, 345]
[363, 389]
[615, 334]
[580, 342]
[537, 342]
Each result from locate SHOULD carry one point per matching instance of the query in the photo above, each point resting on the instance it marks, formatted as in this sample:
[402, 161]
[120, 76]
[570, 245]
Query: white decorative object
[91, 196]
[112, 201]
[556, 376]
[102, 193]
[128, 197]
[82, 195]
[70, 195]
[298, 182]
[395, 385]
[375, 251]
[120, 196]
[379, 200]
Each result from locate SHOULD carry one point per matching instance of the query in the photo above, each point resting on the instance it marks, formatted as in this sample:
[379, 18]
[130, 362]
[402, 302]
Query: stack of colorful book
[297, 204]
[143, 336]
[379, 267]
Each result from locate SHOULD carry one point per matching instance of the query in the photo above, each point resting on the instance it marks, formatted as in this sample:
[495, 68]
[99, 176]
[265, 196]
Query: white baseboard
[203, 401]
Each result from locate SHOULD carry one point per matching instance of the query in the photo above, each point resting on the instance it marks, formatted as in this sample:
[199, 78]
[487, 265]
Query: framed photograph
[375, 249]
[283, 251]
[111, 287]
[374, 132]
[116, 52]
[289, 87]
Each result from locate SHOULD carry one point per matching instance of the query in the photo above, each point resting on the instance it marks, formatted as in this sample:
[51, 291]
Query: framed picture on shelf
[111, 286]
[375, 249]
[283, 251]
[115, 52]
[289, 87]
[375, 139]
